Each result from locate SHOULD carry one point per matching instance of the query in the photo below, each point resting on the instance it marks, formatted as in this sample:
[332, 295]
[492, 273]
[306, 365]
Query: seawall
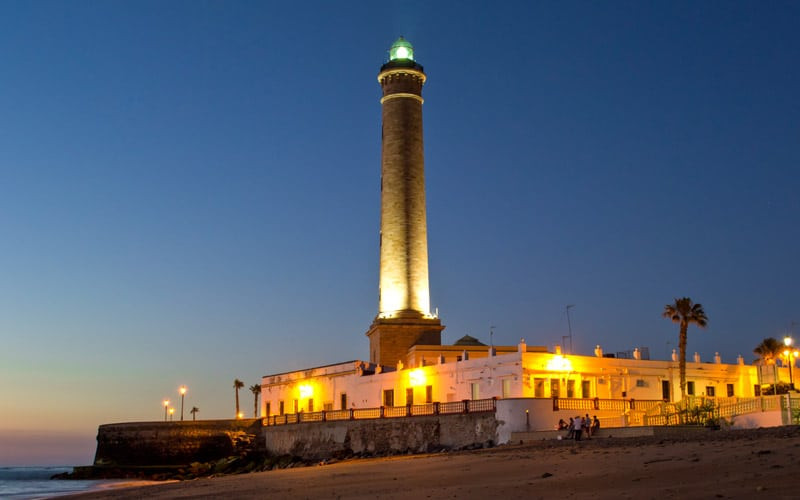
[174, 444]
[140, 444]
[319, 440]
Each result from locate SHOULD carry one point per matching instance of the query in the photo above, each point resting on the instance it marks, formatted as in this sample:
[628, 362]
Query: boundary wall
[319, 440]
[139, 444]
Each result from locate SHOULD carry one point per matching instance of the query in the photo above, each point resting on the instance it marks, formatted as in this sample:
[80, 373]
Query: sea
[25, 483]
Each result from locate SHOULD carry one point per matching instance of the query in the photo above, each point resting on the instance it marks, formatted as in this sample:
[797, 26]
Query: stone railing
[589, 404]
[671, 413]
[449, 408]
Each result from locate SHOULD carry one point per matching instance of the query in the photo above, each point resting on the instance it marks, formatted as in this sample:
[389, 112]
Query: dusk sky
[189, 191]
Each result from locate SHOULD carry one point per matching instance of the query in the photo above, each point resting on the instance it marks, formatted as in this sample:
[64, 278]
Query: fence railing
[676, 413]
[449, 408]
[604, 404]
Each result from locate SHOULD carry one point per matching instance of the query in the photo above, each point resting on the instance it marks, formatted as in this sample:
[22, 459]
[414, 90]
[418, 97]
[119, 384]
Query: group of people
[578, 426]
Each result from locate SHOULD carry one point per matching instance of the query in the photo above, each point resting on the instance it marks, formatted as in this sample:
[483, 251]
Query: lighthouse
[404, 317]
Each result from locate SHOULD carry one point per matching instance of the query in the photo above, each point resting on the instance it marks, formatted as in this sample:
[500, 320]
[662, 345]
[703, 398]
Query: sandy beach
[722, 464]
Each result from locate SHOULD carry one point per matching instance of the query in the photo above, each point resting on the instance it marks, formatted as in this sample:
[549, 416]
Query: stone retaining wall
[320, 440]
[176, 443]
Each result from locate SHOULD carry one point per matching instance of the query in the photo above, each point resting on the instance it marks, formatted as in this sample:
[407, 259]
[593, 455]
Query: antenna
[569, 325]
[491, 336]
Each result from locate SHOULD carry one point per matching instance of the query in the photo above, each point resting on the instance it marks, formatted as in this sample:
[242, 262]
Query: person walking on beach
[571, 428]
[587, 426]
[578, 427]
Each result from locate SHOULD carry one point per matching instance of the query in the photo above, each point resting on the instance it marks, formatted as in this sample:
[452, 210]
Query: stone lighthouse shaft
[404, 240]
[404, 318]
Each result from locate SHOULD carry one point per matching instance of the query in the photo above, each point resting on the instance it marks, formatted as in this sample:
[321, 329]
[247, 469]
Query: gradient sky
[189, 191]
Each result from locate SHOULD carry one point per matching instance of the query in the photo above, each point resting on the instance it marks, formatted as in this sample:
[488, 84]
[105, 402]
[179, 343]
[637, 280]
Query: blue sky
[189, 191]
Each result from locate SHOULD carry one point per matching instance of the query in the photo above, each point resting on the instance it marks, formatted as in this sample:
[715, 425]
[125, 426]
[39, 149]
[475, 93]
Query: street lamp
[790, 355]
[183, 393]
[171, 412]
[166, 408]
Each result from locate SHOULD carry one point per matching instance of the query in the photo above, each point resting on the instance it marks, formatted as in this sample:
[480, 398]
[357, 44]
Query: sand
[762, 463]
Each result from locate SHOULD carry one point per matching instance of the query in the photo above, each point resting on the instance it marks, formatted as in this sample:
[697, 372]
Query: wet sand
[723, 464]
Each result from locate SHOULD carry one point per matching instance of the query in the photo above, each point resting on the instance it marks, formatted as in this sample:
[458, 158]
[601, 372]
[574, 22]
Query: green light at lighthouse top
[401, 49]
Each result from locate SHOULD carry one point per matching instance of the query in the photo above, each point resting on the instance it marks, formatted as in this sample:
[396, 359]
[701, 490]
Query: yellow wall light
[559, 364]
[416, 377]
[306, 391]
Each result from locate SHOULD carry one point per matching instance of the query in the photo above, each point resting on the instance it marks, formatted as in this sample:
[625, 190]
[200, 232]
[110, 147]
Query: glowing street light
[182, 390]
[166, 408]
[171, 413]
[790, 355]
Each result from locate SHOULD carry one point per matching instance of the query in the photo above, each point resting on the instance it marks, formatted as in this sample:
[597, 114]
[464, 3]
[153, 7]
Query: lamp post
[171, 413]
[790, 355]
[166, 408]
[183, 393]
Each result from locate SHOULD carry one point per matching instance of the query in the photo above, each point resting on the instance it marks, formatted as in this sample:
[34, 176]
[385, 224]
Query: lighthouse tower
[404, 317]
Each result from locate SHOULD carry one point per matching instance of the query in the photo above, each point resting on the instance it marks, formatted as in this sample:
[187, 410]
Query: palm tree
[769, 350]
[194, 411]
[237, 384]
[684, 312]
[256, 390]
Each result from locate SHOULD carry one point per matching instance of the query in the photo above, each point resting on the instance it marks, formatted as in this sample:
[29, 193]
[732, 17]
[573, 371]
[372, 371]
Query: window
[388, 397]
[570, 388]
[757, 390]
[280, 406]
[429, 394]
[343, 401]
[458, 358]
[310, 404]
[730, 390]
[507, 388]
[710, 391]
[410, 396]
[690, 388]
[586, 389]
[476, 393]
[267, 411]
[296, 406]
[554, 388]
[538, 387]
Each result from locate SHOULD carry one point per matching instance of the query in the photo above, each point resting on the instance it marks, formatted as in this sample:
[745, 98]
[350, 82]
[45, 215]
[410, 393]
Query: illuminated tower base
[404, 317]
[390, 339]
